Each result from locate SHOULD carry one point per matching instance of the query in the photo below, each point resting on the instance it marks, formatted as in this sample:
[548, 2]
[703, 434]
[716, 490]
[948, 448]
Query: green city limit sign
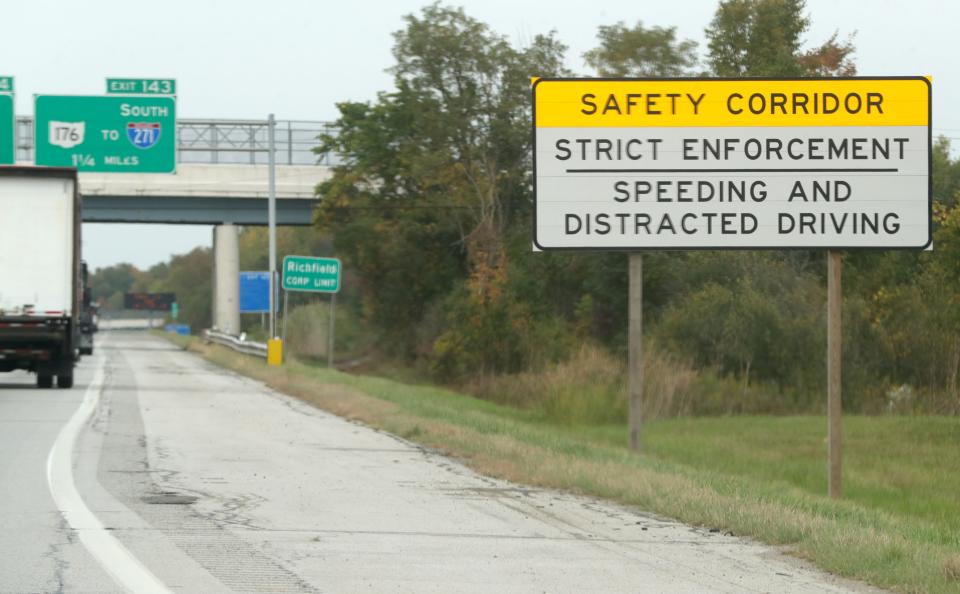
[316, 275]
[114, 133]
[8, 123]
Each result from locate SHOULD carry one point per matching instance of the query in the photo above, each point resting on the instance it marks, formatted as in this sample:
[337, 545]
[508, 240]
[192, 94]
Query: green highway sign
[141, 86]
[8, 122]
[111, 133]
[8, 128]
[316, 275]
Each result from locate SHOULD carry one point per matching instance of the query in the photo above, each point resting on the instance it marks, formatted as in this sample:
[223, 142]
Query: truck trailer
[40, 275]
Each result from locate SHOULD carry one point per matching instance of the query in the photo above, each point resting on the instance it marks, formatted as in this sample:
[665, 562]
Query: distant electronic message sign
[149, 301]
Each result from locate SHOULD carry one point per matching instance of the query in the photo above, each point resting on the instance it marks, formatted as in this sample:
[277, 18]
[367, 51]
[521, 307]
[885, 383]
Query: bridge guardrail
[213, 141]
[237, 343]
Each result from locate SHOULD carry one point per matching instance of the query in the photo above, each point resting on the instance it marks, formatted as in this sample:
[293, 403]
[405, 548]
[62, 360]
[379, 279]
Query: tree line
[430, 209]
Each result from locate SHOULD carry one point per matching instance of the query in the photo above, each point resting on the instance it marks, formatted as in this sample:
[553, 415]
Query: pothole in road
[169, 499]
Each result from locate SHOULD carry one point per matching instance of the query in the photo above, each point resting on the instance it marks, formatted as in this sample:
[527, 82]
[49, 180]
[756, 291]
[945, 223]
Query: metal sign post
[274, 344]
[330, 334]
[283, 319]
[272, 221]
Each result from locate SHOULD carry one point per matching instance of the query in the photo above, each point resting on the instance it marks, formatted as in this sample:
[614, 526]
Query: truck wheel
[65, 380]
[44, 380]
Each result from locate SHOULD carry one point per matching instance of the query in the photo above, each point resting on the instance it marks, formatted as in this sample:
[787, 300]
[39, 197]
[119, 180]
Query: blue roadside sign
[254, 292]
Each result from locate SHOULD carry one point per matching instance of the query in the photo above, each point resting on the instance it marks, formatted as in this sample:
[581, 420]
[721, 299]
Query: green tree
[764, 38]
[392, 226]
[946, 173]
[832, 58]
[467, 89]
[107, 283]
[749, 314]
[641, 52]
[436, 170]
[190, 276]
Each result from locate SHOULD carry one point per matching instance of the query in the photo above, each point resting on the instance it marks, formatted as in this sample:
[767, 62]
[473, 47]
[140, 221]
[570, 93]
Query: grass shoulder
[181, 341]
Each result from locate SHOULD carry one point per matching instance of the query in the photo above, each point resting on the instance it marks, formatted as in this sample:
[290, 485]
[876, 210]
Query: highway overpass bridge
[221, 176]
[221, 180]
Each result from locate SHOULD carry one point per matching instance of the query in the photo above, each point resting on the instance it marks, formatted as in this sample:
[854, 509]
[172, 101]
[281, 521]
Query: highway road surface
[160, 472]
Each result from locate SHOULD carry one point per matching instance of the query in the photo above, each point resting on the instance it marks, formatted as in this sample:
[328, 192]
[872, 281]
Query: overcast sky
[297, 58]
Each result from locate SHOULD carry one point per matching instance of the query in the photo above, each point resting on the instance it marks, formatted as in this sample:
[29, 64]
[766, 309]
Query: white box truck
[40, 291]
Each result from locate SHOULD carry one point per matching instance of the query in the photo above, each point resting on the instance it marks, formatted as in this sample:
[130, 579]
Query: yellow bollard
[274, 351]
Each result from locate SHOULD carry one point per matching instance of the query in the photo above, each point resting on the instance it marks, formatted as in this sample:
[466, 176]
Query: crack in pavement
[55, 553]
[126, 472]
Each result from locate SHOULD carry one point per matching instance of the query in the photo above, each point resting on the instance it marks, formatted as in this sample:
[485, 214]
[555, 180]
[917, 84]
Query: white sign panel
[753, 164]
[66, 134]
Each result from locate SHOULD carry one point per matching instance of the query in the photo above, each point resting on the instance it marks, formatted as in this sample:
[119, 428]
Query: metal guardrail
[239, 344]
[213, 141]
[129, 323]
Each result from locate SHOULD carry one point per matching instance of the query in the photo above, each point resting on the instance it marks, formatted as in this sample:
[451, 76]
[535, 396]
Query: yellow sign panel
[599, 103]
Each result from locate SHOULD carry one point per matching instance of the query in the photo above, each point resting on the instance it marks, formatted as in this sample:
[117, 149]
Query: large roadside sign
[315, 275]
[8, 122]
[112, 133]
[839, 163]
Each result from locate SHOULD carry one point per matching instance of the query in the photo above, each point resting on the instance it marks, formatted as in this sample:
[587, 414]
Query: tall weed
[591, 387]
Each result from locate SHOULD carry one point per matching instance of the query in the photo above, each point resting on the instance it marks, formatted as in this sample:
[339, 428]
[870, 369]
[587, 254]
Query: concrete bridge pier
[226, 278]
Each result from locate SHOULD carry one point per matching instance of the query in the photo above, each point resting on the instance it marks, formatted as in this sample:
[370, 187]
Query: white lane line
[115, 558]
